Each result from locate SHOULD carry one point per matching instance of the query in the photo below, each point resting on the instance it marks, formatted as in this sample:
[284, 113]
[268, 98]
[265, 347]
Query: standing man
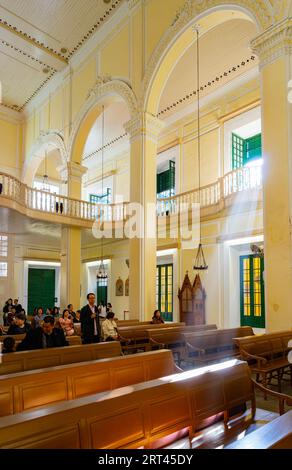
[90, 327]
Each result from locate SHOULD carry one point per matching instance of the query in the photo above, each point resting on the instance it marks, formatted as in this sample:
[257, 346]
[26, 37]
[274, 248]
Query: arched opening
[230, 102]
[170, 51]
[106, 184]
[48, 157]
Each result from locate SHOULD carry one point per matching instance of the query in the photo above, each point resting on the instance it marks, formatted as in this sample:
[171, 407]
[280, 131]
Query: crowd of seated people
[50, 328]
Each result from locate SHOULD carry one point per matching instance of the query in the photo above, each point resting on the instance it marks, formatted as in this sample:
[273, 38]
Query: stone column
[274, 49]
[71, 243]
[143, 131]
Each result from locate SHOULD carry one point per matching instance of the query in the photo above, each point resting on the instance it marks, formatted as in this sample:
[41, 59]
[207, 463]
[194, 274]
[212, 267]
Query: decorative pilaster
[274, 48]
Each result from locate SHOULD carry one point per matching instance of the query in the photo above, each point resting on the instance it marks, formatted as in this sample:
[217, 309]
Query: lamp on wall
[45, 183]
[102, 273]
[200, 262]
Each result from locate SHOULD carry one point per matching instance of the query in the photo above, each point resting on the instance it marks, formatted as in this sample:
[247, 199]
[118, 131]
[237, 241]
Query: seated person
[157, 318]
[55, 312]
[76, 318]
[38, 316]
[45, 336]
[109, 328]
[66, 323]
[17, 306]
[19, 326]
[8, 345]
[10, 316]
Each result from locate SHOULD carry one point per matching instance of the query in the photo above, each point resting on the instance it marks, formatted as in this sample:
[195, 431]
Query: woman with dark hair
[109, 328]
[8, 305]
[37, 317]
[55, 312]
[6, 310]
[66, 323]
[156, 319]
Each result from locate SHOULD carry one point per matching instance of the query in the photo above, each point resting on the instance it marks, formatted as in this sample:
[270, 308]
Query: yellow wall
[115, 58]
[10, 146]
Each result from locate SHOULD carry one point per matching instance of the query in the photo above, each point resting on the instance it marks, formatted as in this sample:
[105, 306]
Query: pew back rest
[216, 339]
[150, 410]
[267, 345]
[40, 358]
[169, 335]
[26, 390]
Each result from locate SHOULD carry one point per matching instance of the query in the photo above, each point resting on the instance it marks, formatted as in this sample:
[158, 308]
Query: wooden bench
[173, 338]
[275, 435]
[143, 415]
[210, 346]
[267, 355]
[40, 358]
[18, 338]
[30, 389]
[135, 338]
[72, 340]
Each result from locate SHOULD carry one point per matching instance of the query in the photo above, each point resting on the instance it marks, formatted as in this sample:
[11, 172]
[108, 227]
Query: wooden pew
[267, 355]
[135, 338]
[40, 358]
[173, 338]
[209, 346]
[30, 389]
[18, 338]
[275, 435]
[72, 340]
[142, 415]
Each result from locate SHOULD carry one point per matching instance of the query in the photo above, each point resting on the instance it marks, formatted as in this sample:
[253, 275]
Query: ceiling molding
[33, 41]
[27, 55]
[11, 115]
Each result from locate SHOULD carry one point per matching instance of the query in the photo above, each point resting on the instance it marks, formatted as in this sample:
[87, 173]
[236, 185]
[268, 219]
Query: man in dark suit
[45, 336]
[90, 327]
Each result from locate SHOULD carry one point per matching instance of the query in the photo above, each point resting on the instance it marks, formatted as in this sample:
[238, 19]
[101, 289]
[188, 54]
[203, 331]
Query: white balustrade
[242, 179]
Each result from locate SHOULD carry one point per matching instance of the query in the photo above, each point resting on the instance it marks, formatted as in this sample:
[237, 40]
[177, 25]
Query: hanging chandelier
[45, 182]
[102, 272]
[200, 262]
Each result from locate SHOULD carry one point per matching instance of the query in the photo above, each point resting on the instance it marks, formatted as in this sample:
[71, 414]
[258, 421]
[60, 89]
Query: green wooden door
[252, 292]
[41, 289]
[101, 291]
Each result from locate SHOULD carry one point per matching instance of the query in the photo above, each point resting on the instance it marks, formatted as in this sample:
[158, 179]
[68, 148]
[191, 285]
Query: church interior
[145, 224]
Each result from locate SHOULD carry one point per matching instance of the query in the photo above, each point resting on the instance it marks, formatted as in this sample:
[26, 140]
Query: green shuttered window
[245, 150]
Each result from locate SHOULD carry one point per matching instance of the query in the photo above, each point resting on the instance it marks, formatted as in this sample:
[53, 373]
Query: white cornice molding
[274, 43]
[10, 115]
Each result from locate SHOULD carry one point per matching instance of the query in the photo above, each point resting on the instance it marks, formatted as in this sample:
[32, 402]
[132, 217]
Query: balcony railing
[242, 179]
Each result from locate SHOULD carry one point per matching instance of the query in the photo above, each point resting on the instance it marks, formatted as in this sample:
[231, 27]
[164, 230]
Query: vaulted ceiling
[38, 37]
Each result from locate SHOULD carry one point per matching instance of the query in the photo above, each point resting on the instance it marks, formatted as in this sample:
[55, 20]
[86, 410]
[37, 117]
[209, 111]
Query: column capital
[72, 170]
[144, 125]
[133, 3]
[273, 43]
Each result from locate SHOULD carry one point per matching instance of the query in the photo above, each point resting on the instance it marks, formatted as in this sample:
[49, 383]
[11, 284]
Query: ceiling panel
[37, 37]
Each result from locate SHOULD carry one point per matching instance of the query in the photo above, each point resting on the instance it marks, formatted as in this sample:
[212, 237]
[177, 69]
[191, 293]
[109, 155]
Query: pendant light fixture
[200, 262]
[45, 183]
[102, 273]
